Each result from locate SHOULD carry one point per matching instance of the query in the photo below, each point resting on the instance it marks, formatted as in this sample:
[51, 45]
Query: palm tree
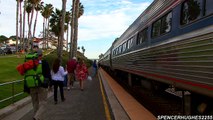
[34, 3]
[23, 37]
[17, 13]
[72, 30]
[46, 13]
[20, 6]
[55, 21]
[61, 38]
[28, 10]
[83, 49]
[77, 12]
[38, 8]
[67, 21]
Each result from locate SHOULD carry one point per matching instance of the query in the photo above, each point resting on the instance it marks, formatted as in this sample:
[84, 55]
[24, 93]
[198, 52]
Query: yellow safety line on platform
[108, 117]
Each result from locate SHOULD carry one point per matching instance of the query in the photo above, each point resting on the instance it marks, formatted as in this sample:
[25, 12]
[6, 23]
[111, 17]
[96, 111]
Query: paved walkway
[79, 105]
[102, 99]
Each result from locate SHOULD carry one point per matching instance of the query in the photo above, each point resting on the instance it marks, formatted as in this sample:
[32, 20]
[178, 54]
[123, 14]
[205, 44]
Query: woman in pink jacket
[81, 73]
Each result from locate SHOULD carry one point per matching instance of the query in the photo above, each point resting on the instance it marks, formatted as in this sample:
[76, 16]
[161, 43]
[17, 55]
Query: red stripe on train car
[174, 79]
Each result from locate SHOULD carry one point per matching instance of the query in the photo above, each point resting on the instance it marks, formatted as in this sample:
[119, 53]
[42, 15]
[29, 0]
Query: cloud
[94, 25]
[102, 22]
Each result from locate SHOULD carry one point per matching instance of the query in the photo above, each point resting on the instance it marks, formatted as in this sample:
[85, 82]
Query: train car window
[117, 51]
[209, 7]
[142, 36]
[156, 28]
[190, 11]
[114, 52]
[120, 48]
[124, 47]
[129, 43]
[166, 23]
[163, 25]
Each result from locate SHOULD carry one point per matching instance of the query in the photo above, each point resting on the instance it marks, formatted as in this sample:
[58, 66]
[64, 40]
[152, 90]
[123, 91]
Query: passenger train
[170, 43]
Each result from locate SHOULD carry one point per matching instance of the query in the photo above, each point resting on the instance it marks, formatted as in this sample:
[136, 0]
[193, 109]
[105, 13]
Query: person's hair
[56, 65]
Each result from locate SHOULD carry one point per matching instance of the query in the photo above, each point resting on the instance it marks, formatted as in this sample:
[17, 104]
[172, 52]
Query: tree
[20, 13]
[46, 13]
[83, 49]
[17, 13]
[61, 38]
[34, 3]
[28, 10]
[77, 11]
[23, 45]
[3, 38]
[55, 27]
[38, 8]
[67, 21]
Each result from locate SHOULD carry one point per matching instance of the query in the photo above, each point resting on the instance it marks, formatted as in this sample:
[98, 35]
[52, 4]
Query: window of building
[163, 25]
[190, 11]
[142, 36]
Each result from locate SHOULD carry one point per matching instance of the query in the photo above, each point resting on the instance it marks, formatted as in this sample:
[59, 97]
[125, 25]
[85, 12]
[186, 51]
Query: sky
[101, 23]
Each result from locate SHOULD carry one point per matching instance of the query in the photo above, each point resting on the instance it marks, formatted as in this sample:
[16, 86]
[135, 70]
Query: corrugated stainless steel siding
[189, 59]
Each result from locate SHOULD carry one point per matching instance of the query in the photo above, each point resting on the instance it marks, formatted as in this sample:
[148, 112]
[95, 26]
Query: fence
[11, 90]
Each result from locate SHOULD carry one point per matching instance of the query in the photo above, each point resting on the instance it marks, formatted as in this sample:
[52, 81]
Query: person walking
[95, 68]
[71, 66]
[39, 93]
[81, 73]
[58, 74]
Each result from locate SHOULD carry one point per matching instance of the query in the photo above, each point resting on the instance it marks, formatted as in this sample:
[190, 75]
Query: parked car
[7, 50]
[2, 52]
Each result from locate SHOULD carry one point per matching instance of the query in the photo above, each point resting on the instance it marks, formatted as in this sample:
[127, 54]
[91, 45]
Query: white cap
[74, 58]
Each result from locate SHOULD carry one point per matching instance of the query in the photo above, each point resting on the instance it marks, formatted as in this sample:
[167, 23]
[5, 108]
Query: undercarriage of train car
[162, 98]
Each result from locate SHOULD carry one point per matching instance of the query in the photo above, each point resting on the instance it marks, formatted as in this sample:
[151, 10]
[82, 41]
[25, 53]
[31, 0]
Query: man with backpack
[37, 80]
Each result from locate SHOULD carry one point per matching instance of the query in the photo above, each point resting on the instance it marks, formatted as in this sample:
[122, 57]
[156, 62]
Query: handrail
[13, 91]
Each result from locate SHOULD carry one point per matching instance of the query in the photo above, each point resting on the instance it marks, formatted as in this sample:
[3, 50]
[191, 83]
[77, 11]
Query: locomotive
[169, 44]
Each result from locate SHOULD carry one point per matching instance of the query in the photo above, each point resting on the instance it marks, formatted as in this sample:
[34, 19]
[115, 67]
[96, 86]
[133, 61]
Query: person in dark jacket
[95, 68]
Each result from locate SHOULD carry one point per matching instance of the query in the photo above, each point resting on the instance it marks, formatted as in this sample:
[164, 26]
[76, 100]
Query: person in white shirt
[57, 74]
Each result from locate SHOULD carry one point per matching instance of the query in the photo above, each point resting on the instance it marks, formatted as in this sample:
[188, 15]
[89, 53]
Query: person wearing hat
[71, 66]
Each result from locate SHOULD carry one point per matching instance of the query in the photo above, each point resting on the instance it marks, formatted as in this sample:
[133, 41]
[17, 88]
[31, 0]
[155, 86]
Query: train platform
[102, 99]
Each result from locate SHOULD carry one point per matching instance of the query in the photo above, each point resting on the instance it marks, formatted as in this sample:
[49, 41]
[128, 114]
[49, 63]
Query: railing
[13, 91]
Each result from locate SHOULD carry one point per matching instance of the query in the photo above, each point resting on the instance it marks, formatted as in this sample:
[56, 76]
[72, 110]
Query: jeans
[59, 84]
